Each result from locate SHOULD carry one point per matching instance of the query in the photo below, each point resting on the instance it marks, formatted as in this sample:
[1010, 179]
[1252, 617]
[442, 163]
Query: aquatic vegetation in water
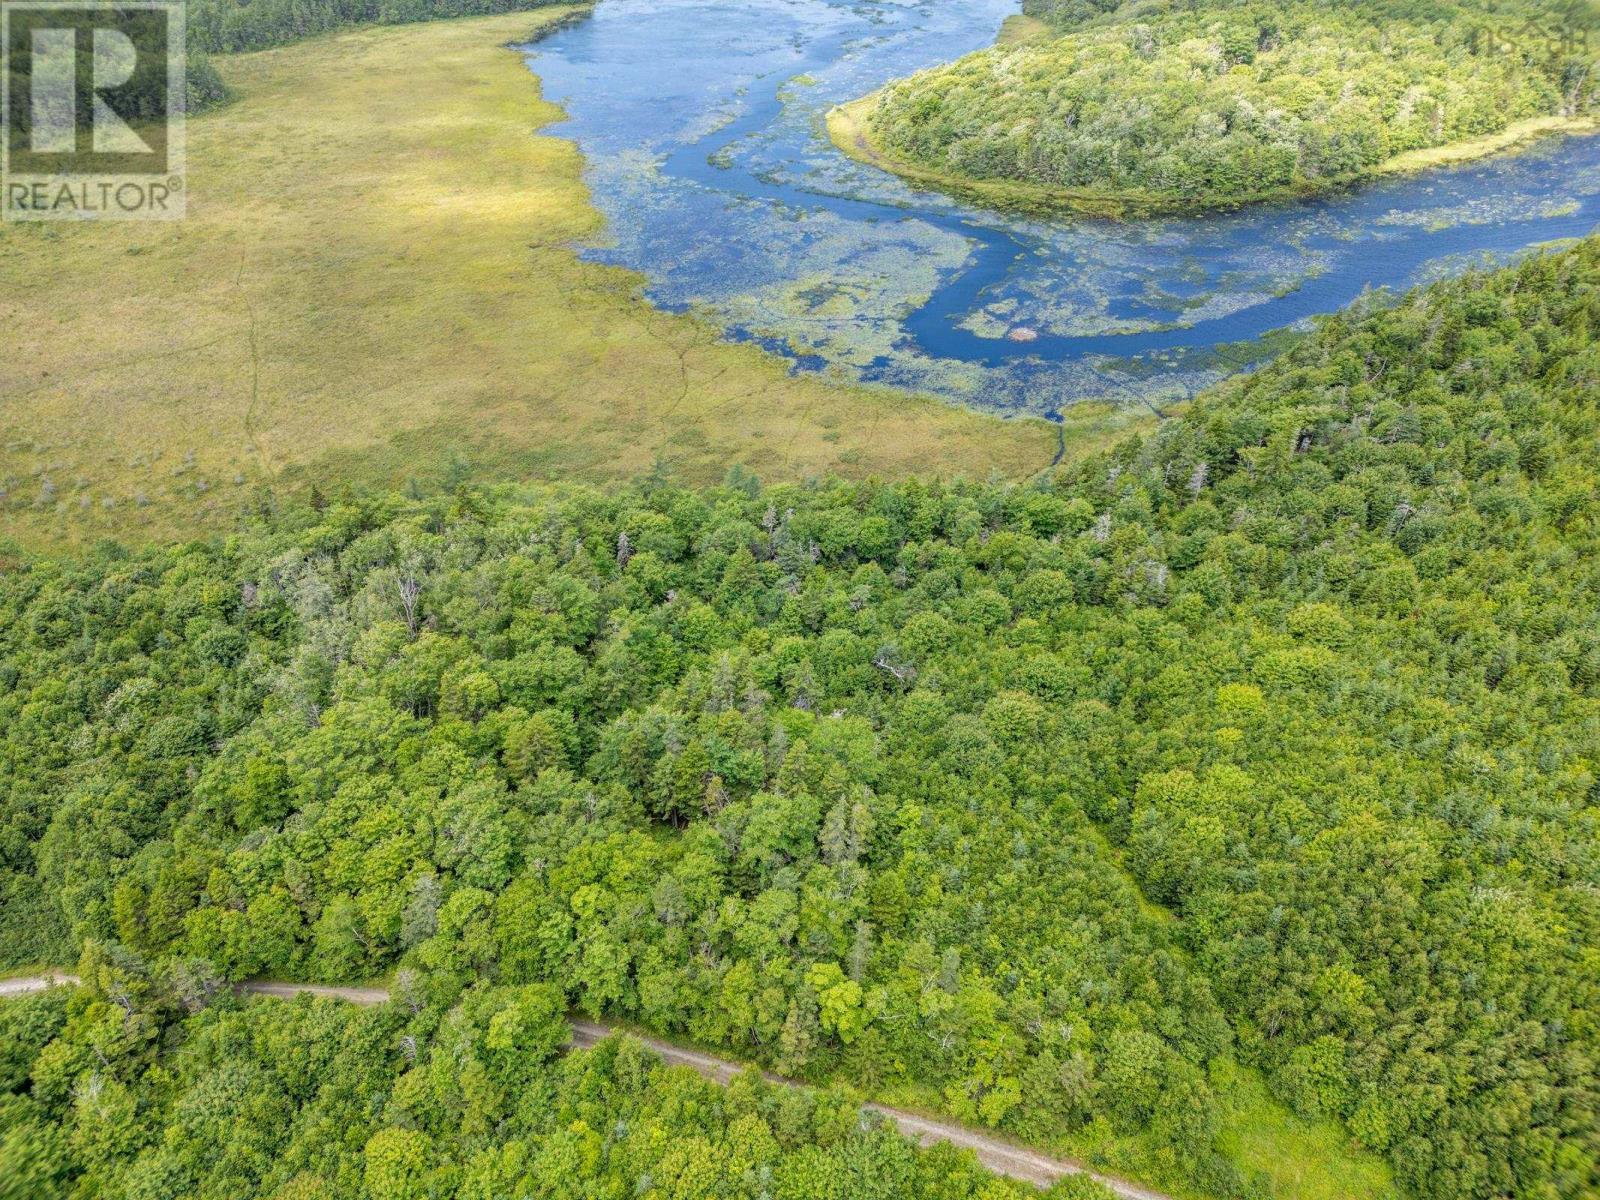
[730, 199]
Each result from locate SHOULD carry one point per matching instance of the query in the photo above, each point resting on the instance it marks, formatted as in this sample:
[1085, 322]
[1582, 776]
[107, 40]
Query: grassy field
[375, 284]
[1019, 28]
[1305, 1159]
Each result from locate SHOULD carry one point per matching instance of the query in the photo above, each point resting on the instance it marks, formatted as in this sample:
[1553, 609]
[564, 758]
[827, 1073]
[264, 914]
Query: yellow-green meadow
[376, 283]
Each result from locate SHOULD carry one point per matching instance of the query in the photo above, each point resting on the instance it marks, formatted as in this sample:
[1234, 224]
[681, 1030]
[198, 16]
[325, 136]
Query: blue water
[701, 124]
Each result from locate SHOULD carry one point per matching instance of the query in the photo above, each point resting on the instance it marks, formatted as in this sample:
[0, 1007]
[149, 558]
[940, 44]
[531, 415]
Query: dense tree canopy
[1237, 98]
[1269, 736]
[229, 26]
[115, 1091]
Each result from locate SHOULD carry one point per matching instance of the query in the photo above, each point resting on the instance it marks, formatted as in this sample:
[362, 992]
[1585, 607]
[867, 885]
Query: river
[701, 124]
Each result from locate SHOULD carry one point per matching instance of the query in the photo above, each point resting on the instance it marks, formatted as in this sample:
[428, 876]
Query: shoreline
[847, 129]
[376, 283]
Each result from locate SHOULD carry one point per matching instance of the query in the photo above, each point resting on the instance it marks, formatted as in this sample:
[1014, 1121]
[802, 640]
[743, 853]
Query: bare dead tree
[409, 590]
[887, 660]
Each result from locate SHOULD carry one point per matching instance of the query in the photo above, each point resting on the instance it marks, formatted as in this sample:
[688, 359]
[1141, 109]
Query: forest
[1266, 738]
[312, 1100]
[1176, 103]
[234, 26]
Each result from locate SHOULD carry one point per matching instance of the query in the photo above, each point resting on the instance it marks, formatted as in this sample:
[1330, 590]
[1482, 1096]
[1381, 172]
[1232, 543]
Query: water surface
[701, 123]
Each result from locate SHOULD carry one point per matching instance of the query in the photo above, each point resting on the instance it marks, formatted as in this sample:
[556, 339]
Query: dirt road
[998, 1155]
[33, 983]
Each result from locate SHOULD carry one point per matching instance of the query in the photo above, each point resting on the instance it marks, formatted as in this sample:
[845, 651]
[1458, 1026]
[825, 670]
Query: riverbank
[1019, 28]
[376, 285]
[1517, 136]
[849, 128]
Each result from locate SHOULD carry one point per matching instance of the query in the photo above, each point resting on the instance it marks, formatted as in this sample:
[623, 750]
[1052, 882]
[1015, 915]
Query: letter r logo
[54, 94]
[91, 91]
[89, 86]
